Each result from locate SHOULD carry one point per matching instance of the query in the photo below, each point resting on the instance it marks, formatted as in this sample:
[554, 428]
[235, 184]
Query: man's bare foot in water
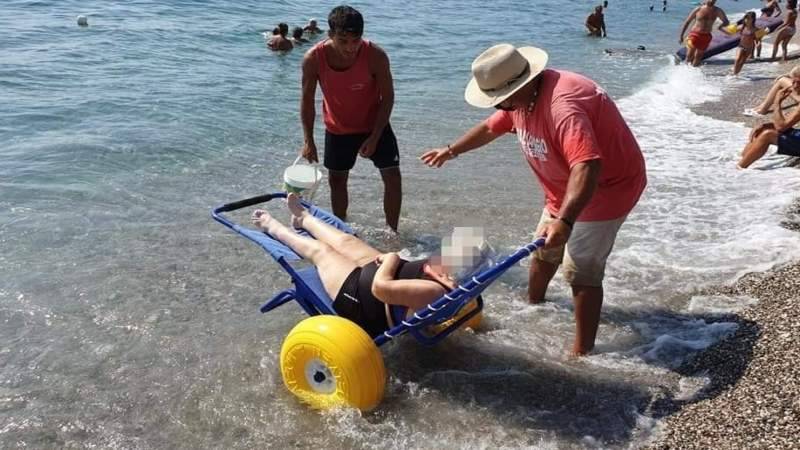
[299, 212]
[262, 219]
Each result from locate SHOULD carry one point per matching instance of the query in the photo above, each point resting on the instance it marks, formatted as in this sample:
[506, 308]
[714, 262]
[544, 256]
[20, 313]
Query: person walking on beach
[784, 33]
[587, 160]
[595, 22]
[700, 36]
[779, 132]
[747, 42]
[357, 101]
[279, 42]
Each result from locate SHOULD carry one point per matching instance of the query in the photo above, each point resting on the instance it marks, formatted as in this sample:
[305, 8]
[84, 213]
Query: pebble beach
[750, 382]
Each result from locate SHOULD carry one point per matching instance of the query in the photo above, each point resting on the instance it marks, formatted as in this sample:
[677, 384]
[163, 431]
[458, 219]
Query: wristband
[451, 152]
[569, 223]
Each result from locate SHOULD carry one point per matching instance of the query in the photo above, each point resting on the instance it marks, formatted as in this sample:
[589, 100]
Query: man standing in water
[587, 161]
[596, 22]
[357, 100]
[699, 38]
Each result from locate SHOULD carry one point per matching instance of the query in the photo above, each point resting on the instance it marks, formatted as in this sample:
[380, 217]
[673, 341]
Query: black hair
[284, 29]
[345, 19]
[297, 32]
[276, 31]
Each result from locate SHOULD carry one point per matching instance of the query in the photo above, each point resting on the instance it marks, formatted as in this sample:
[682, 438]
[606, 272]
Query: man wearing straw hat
[588, 163]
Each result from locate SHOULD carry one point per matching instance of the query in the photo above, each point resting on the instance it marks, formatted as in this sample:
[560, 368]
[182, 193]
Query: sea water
[129, 319]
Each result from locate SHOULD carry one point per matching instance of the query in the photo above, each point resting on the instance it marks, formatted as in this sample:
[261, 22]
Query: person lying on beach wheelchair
[363, 281]
[359, 298]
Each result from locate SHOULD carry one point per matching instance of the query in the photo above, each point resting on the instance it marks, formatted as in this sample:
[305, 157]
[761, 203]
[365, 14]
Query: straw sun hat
[501, 71]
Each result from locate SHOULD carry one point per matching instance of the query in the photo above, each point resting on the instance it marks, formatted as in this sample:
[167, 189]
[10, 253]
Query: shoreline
[751, 394]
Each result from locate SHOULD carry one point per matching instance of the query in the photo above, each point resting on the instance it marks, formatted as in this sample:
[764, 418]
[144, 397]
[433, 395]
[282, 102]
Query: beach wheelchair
[329, 361]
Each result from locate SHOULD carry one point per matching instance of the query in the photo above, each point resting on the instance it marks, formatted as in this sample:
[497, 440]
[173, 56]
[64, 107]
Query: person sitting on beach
[312, 27]
[700, 36]
[747, 42]
[363, 281]
[297, 36]
[782, 82]
[779, 132]
[280, 43]
[595, 22]
[784, 33]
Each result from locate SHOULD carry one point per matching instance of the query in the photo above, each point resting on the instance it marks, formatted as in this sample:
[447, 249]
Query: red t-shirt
[350, 97]
[573, 121]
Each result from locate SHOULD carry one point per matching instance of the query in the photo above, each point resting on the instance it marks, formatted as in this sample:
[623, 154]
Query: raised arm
[781, 122]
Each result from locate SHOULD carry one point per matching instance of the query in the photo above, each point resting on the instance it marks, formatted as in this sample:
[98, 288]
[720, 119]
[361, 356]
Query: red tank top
[350, 97]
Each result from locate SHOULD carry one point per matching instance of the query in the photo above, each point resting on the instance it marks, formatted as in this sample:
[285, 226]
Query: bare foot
[261, 218]
[299, 212]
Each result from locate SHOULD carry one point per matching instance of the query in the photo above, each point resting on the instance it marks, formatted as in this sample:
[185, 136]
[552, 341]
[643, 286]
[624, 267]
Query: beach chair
[329, 361]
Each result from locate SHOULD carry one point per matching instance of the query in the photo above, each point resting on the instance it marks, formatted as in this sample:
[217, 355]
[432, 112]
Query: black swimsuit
[356, 302]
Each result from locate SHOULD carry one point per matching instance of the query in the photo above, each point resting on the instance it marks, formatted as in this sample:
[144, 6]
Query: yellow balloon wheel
[329, 361]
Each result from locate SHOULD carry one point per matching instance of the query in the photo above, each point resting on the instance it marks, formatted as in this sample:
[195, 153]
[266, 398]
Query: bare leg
[392, 196]
[781, 83]
[690, 51]
[348, 245]
[784, 46]
[588, 303]
[741, 56]
[337, 180]
[332, 266]
[541, 273]
[756, 148]
[698, 57]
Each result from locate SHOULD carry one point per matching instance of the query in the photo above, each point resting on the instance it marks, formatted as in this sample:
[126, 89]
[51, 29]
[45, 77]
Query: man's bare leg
[588, 302]
[690, 51]
[392, 195]
[348, 245]
[333, 267]
[698, 57]
[539, 277]
[337, 180]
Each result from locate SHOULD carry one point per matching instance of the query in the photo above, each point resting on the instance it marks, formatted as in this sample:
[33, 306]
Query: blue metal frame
[314, 300]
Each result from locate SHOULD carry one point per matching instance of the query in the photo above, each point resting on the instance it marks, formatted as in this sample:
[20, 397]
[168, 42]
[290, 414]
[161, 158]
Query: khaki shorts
[584, 255]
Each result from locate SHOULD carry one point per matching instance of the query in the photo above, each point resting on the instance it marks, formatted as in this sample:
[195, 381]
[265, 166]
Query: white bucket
[301, 178]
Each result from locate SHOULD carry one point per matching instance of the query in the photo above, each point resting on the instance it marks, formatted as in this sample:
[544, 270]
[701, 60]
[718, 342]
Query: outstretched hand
[436, 157]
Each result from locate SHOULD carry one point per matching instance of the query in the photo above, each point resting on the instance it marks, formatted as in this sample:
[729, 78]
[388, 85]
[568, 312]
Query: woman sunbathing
[363, 281]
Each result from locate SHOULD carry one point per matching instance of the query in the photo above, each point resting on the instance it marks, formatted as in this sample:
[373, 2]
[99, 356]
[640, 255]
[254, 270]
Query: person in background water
[357, 101]
[587, 160]
[700, 37]
[279, 42]
[605, 5]
[664, 8]
[312, 27]
[297, 36]
[595, 22]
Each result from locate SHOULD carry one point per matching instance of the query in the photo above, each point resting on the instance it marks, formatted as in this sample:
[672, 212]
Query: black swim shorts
[364, 310]
[341, 150]
[789, 142]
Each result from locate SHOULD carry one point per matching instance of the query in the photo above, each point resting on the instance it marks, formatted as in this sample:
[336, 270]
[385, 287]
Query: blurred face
[346, 44]
[519, 100]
